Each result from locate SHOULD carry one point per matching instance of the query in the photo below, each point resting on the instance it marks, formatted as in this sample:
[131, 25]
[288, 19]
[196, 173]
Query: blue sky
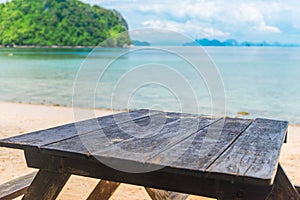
[245, 20]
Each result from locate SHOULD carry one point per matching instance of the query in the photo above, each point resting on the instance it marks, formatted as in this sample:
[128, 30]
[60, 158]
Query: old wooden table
[224, 158]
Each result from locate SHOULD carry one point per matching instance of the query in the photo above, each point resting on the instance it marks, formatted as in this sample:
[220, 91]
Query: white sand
[22, 118]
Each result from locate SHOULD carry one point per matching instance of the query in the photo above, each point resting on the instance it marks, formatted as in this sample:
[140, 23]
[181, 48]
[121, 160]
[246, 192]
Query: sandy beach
[18, 119]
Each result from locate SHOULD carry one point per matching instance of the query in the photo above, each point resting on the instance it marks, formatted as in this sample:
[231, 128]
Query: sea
[246, 82]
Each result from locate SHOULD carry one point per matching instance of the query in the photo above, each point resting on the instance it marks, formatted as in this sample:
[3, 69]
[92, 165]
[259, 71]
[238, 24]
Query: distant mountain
[232, 42]
[140, 43]
[59, 23]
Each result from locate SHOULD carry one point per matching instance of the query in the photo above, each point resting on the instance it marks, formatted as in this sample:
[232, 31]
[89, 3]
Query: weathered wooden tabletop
[179, 146]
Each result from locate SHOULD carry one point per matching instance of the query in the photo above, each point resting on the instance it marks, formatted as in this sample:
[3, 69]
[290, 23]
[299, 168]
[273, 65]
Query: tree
[59, 22]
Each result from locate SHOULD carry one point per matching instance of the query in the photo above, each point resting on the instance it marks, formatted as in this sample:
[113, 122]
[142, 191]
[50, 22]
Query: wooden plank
[157, 194]
[283, 187]
[254, 155]
[142, 149]
[171, 179]
[85, 145]
[103, 190]
[16, 187]
[46, 185]
[204, 148]
[38, 138]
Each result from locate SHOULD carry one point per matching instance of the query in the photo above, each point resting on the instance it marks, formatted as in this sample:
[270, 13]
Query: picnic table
[223, 158]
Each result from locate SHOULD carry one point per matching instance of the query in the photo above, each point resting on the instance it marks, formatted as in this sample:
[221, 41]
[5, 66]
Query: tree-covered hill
[59, 22]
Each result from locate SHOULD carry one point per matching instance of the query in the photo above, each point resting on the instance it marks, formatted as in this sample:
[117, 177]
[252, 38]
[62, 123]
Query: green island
[60, 23]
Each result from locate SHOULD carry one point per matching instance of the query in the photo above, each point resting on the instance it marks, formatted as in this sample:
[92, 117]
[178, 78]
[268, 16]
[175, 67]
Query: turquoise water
[262, 81]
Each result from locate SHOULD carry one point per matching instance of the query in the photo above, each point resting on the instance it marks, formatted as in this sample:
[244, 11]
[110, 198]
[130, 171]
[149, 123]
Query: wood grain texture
[16, 187]
[85, 145]
[142, 149]
[46, 185]
[103, 190]
[190, 153]
[254, 154]
[39, 138]
[196, 150]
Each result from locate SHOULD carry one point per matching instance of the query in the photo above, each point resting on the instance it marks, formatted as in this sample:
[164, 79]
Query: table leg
[46, 185]
[283, 189]
[157, 194]
[104, 190]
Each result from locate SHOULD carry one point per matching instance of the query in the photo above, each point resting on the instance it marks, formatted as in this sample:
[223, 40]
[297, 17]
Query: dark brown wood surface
[183, 145]
[68, 131]
[165, 178]
[107, 137]
[46, 185]
[103, 190]
[255, 153]
[283, 188]
[157, 194]
[195, 150]
[143, 149]
[297, 187]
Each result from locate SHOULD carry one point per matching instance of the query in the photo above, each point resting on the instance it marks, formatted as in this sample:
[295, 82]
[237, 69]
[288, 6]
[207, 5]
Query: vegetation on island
[60, 23]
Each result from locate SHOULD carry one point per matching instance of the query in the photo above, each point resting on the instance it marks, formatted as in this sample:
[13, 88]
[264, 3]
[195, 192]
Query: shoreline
[57, 105]
[238, 114]
[127, 46]
[59, 47]
[47, 47]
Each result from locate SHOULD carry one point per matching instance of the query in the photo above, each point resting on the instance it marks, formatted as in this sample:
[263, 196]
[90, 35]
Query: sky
[255, 21]
[247, 20]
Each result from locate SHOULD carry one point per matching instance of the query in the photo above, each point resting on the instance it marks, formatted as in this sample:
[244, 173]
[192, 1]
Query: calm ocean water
[262, 81]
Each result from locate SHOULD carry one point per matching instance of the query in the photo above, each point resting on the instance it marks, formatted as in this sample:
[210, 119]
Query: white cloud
[252, 16]
[242, 20]
[195, 29]
[265, 28]
[214, 33]
[248, 13]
